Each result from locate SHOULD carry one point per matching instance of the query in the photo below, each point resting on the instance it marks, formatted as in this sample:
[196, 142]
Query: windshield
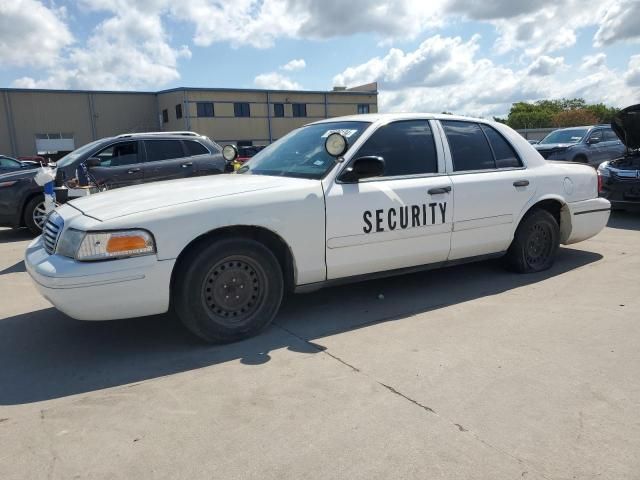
[69, 158]
[301, 153]
[572, 135]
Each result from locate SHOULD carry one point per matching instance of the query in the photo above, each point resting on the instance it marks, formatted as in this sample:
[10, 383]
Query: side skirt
[312, 287]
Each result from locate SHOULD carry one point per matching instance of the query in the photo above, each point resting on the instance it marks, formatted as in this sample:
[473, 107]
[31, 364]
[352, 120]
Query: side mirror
[363, 167]
[92, 162]
[229, 153]
[593, 141]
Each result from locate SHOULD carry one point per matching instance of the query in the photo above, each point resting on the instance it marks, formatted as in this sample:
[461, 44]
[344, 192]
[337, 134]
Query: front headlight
[88, 246]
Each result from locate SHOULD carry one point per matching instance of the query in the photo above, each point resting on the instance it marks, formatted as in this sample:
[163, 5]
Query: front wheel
[535, 243]
[35, 215]
[228, 290]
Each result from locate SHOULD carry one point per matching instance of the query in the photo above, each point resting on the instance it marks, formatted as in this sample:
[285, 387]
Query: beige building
[36, 121]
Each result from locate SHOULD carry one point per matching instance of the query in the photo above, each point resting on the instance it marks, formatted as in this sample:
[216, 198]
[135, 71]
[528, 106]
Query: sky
[468, 57]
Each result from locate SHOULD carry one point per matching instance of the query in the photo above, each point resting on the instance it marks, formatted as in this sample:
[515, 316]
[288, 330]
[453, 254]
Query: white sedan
[338, 200]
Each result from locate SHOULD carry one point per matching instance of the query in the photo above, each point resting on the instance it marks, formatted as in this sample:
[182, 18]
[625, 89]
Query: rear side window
[469, 147]
[163, 150]
[195, 148]
[610, 135]
[407, 148]
[505, 155]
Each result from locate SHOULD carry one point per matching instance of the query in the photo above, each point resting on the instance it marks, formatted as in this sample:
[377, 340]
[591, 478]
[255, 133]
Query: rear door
[121, 164]
[614, 146]
[490, 188]
[204, 161]
[165, 160]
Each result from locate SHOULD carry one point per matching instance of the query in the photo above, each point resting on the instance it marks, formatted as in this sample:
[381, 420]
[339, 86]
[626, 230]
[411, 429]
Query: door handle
[188, 164]
[133, 170]
[436, 191]
[521, 183]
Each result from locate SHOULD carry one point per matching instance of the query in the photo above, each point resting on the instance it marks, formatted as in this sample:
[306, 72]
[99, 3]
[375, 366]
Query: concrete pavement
[467, 372]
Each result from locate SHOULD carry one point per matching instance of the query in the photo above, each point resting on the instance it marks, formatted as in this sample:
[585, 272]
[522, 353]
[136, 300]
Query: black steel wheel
[228, 290]
[535, 243]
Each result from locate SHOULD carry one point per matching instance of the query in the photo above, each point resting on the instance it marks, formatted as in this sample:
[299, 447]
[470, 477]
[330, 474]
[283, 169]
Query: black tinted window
[179, 110]
[163, 149]
[469, 147]
[299, 109]
[241, 109]
[610, 135]
[278, 109]
[119, 154]
[407, 148]
[204, 109]
[195, 148]
[505, 155]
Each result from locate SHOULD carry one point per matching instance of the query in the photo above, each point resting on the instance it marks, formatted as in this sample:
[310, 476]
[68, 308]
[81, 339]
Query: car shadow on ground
[46, 355]
[8, 235]
[624, 220]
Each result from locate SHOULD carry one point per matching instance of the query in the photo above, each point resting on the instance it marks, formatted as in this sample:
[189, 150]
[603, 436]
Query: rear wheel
[535, 243]
[228, 290]
[35, 215]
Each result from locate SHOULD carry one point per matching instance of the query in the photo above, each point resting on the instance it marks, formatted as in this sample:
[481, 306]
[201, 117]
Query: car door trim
[387, 236]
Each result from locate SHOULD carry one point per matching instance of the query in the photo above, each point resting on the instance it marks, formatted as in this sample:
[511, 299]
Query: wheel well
[269, 239]
[581, 157]
[559, 211]
[23, 207]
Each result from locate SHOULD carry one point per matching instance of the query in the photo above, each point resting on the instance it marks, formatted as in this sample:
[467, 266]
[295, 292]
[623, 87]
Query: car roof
[375, 117]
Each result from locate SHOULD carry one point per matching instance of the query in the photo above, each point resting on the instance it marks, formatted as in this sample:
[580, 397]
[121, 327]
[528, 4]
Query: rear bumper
[588, 218]
[108, 290]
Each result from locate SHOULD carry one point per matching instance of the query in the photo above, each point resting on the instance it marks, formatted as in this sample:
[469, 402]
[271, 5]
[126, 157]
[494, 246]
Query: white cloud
[593, 61]
[621, 22]
[260, 23]
[545, 65]
[632, 76]
[447, 74]
[298, 64]
[129, 50]
[31, 34]
[275, 81]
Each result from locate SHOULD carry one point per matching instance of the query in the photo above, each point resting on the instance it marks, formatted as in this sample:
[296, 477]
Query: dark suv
[620, 178]
[113, 162]
[592, 145]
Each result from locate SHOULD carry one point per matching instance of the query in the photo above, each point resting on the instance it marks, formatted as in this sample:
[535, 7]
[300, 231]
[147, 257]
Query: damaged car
[620, 178]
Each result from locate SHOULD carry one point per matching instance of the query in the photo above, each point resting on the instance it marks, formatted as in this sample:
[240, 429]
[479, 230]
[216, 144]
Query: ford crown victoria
[337, 200]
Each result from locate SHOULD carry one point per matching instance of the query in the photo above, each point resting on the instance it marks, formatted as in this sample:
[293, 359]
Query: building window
[179, 111]
[204, 109]
[278, 109]
[244, 143]
[299, 109]
[165, 116]
[241, 109]
[363, 108]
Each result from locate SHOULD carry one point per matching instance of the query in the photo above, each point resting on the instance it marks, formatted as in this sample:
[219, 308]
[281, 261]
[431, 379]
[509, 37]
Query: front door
[120, 165]
[402, 219]
[490, 188]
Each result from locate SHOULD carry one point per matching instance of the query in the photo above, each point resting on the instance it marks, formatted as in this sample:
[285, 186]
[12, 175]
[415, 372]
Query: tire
[228, 290]
[535, 243]
[34, 215]
[581, 159]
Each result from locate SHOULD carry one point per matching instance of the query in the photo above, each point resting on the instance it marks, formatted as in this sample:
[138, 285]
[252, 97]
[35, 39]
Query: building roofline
[187, 89]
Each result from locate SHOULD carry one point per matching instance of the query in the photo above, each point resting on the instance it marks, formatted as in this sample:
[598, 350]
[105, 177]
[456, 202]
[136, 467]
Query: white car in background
[338, 200]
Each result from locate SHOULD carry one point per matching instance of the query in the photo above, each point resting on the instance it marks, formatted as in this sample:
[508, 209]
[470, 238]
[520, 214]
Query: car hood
[21, 174]
[551, 146]
[151, 196]
[626, 124]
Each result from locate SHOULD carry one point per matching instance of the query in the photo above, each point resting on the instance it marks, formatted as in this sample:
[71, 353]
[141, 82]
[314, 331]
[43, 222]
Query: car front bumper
[107, 290]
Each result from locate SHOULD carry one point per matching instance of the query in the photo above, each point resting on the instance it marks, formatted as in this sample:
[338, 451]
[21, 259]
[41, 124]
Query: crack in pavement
[323, 349]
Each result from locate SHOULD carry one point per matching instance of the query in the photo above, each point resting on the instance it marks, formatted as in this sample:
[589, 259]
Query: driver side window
[407, 147]
[119, 154]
